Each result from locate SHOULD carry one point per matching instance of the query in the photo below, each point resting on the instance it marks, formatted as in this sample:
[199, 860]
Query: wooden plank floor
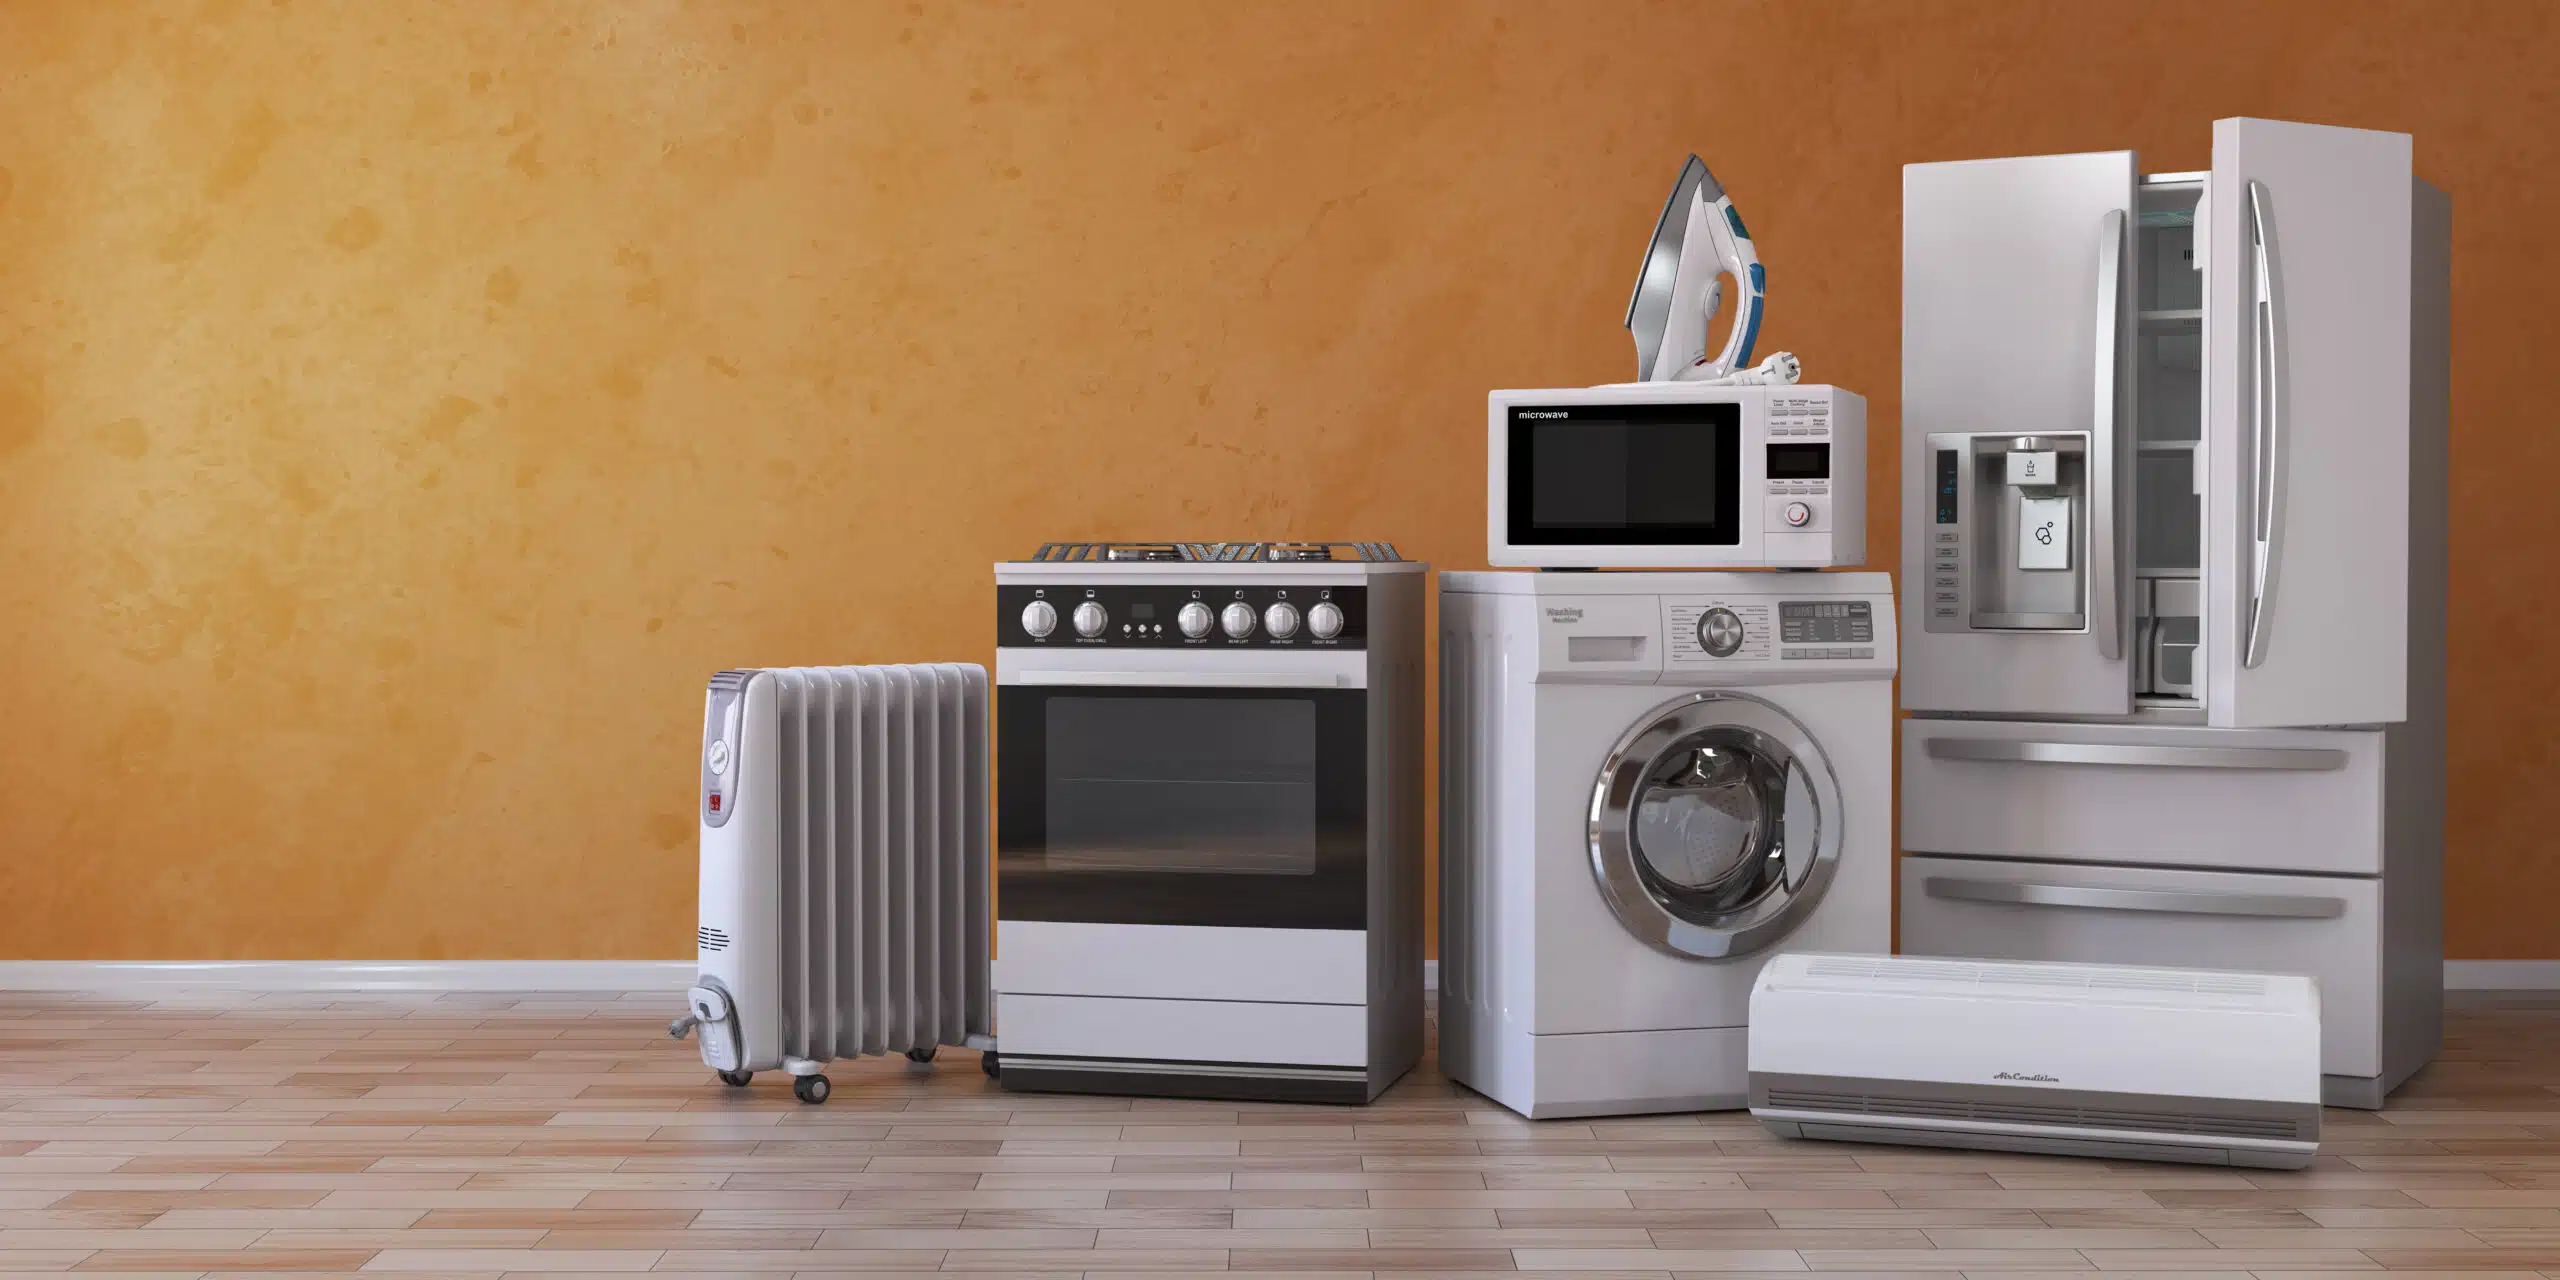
[490, 1135]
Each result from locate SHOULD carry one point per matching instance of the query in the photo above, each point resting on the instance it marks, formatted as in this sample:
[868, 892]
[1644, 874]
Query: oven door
[1225, 798]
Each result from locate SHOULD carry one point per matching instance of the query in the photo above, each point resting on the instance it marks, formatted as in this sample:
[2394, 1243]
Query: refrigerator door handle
[2004, 751]
[2266, 430]
[2107, 592]
[2280, 906]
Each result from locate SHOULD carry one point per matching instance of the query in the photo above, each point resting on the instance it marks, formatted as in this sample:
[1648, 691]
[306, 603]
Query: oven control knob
[1091, 618]
[1238, 619]
[1195, 620]
[1324, 621]
[1039, 619]
[1798, 515]
[1281, 620]
[1719, 632]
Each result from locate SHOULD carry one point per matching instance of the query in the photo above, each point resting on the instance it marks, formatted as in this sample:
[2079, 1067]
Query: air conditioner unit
[2090, 1060]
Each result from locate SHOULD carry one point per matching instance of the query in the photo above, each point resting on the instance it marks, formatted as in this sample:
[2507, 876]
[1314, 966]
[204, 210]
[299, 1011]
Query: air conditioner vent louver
[2026, 1113]
[710, 939]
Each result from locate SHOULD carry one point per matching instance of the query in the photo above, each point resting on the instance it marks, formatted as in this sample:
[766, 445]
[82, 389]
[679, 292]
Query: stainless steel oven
[1208, 822]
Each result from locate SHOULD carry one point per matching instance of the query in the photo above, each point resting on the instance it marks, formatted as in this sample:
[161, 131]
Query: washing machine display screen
[1624, 474]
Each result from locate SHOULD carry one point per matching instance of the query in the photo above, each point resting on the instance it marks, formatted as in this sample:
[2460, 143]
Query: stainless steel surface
[2161, 901]
[1759, 912]
[2299, 759]
[1281, 619]
[2106, 587]
[2028, 621]
[1039, 618]
[2266, 435]
[1649, 306]
[1324, 621]
[1238, 619]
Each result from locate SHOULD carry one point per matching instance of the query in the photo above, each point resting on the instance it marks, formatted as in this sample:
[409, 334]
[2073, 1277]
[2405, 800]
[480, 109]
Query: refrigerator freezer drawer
[2274, 800]
[2327, 927]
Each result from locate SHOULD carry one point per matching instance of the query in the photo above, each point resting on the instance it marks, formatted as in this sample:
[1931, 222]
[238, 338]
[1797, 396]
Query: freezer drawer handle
[2165, 901]
[2296, 759]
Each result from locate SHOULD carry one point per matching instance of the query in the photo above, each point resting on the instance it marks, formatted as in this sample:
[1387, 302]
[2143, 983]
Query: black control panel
[1826, 622]
[1947, 478]
[1152, 617]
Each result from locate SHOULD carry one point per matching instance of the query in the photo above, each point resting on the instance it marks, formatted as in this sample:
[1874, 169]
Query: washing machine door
[1715, 826]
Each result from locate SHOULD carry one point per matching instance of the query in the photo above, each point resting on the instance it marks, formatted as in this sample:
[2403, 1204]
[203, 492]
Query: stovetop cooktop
[1217, 552]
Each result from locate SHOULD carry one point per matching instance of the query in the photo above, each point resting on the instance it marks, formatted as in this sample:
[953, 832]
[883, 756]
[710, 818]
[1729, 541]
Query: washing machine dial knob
[1324, 621]
[1195, 620]
[1091, 618]
[1720, 632]
[1238, 619]
[1039, 619]
[1281, 620]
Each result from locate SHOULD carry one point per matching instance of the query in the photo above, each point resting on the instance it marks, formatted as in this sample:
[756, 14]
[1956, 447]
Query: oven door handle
[1176, 681]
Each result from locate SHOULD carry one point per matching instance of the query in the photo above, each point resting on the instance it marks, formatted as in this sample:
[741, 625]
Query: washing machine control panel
[1719, 630]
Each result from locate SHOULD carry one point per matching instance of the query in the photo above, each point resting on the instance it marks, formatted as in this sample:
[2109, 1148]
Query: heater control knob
[1091, 618]
[1324, 621]
[1281, 620]
[1798, 515]
[1195, 620]
[1039, 619]
[1238, 619]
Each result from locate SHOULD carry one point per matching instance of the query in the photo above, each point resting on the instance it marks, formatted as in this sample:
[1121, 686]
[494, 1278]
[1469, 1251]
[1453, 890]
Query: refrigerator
[2173, 571]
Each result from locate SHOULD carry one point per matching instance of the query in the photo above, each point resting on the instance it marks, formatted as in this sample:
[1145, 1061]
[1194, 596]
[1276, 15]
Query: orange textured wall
[404, 407]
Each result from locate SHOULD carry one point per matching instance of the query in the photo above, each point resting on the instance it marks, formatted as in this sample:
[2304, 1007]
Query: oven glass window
[1242, 807]
[1189, 785]
[1626, 474]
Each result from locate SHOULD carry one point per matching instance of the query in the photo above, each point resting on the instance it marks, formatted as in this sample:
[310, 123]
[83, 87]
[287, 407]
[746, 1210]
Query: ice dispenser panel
[2009, 541]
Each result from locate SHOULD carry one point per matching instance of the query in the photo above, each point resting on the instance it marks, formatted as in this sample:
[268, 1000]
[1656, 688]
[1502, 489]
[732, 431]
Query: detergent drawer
[2246, 800]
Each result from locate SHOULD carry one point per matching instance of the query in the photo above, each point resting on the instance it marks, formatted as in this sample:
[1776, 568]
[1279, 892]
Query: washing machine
[1651, 783]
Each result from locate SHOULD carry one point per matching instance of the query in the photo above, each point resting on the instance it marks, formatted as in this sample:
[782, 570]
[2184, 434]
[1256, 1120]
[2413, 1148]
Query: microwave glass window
[1799, 462]
[1625, 474]
[1183, 785]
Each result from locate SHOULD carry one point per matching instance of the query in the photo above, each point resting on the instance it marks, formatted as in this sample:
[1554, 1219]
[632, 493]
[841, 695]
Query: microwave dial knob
[1238, 619]
[1091, 618]
[1719, 632]
[1039, 619]
[1798, 515]
[1281, 620]
[1194, 619]
[1324, 621]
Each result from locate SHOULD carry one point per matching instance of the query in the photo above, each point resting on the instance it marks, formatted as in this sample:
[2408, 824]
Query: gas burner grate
[1218, 552]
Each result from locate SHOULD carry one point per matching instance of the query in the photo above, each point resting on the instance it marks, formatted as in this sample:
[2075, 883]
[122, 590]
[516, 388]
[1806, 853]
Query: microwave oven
[1666, 475]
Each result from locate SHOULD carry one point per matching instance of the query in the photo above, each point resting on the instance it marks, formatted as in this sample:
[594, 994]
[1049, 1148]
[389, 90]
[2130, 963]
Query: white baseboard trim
[2502, 975]
[670, 975]
[346, 975]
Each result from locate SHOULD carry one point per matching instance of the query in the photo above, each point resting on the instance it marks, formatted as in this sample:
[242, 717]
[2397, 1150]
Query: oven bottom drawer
[2327, 927]
[1182, 962]
[1224, 1031]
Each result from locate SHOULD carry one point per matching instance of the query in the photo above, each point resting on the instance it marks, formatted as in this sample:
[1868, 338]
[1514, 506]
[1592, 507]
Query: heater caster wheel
[920, 1055]
[736, 1079]
[987, 1062]
[810, 1089]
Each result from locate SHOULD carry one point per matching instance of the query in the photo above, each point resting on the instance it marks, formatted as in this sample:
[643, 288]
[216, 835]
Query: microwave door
[2017, 329]
[2308, 413]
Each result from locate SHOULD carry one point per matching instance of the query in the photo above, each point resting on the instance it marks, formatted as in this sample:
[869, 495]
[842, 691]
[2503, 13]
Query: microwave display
[1798, 461]
[1626, 474]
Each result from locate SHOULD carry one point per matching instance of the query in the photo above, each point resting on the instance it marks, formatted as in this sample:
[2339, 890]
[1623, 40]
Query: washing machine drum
[1715, 825]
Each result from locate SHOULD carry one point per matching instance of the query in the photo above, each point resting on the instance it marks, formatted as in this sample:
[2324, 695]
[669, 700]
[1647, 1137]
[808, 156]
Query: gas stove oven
[1209, 819]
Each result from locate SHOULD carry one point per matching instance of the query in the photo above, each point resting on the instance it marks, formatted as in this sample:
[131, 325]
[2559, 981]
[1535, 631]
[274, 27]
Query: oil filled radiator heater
[844, 869]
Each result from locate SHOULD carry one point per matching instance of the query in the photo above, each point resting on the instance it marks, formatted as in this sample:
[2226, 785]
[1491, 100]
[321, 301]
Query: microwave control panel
[1105, 615]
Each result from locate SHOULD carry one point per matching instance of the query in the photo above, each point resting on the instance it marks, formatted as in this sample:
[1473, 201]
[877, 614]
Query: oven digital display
[1626, 474]
[1799, 461]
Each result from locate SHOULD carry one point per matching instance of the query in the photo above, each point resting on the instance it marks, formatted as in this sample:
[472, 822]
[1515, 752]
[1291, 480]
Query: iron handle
[2184, 902]
[2005, 751]
[2266, 430]
[2106, 592]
